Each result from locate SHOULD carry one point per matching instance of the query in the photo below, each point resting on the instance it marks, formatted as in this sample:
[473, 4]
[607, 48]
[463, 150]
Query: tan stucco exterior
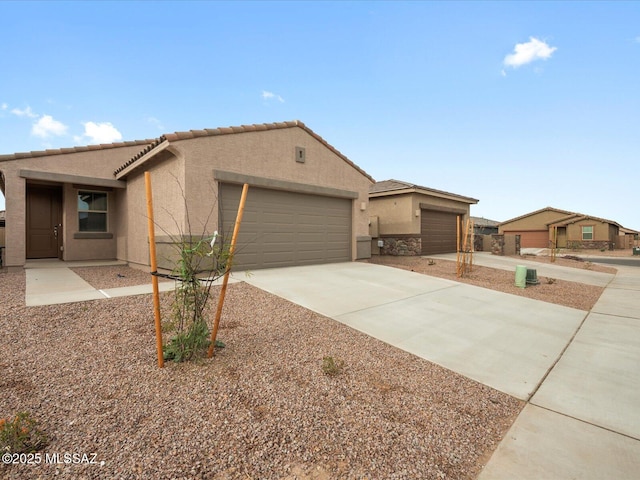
[534, 221]
[400, 214]
[562, 229]
[268, 157]
[182, 168]
[396, 209]
[71, 170]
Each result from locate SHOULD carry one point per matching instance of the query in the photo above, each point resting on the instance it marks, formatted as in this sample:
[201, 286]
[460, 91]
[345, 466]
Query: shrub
[332, 366]
[188, 322]
[21, 434]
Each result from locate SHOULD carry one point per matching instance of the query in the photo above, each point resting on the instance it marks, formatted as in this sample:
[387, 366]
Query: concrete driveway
[504, 341]
[578, 371]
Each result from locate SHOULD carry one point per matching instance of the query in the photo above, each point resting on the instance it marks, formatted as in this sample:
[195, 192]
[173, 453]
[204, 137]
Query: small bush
[551, 281]
[332, 366]
[21, 434]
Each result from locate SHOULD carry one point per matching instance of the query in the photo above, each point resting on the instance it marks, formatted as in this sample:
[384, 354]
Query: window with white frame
[92, 211]
[587, 232]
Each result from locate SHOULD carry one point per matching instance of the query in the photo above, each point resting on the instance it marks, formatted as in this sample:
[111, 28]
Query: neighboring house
[551, 226]
[307, 203]
[484, 226]
[408, 219]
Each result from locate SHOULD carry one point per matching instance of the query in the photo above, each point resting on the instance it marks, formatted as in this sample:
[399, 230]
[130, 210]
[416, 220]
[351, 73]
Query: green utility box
[636, 250]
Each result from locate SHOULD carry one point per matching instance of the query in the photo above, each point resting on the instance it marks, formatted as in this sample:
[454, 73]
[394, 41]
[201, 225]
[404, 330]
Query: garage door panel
[286, 228]
[438, 232]
[531, 238]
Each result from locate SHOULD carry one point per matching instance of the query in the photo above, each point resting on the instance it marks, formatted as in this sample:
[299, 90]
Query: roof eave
[126, 169]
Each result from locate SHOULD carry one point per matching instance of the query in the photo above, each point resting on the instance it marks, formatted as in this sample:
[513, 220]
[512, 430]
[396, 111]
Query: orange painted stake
[232, 248]
[154, 268]
[458, 245]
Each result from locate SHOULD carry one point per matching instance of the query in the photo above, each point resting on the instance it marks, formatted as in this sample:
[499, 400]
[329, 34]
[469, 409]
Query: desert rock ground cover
[262, 408]
[569, 294]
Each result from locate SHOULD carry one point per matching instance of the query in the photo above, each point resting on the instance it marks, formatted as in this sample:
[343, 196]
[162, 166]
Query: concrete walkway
[52, 282]
[584, 420]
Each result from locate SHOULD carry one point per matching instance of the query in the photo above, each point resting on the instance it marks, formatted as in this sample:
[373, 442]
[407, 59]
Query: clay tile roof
[565, 212]
[176, 136]
[391, 186]
[79, 149]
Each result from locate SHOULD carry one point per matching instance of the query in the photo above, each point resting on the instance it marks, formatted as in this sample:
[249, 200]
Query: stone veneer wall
[505, 244]
[590, 244]
[408, 246]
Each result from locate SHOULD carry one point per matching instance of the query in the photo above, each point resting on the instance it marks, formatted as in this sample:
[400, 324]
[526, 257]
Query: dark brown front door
[44, 219]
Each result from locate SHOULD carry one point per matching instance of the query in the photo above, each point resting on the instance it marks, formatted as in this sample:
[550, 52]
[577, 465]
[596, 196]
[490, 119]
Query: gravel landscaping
[560, 292]
[261, 408]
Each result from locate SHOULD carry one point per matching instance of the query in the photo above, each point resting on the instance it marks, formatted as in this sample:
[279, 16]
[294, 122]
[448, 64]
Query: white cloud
[101, 132]
[23, 113]
[4, 106]
[271, 96]
[157, 123]
[46, 127]
[528, 52]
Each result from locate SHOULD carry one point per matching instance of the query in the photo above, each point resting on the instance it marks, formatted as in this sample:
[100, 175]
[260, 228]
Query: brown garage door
[438, 232]
[281, 229]
[531, 238]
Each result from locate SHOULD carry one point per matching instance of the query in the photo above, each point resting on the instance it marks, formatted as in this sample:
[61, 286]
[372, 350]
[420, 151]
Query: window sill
[92, 235]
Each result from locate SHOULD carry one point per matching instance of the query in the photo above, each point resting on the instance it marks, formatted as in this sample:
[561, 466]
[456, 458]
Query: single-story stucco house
[549, 227]
[408, 219]
[307, 202]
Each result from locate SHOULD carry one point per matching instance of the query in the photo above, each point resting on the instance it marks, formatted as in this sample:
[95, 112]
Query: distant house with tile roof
[409, 219]
[552, 227]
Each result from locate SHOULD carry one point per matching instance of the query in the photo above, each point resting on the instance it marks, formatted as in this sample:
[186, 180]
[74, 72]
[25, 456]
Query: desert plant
[21, 434]
[332, 366]
[588, 265]
[200, 261]
[551, 281]
[432, 261]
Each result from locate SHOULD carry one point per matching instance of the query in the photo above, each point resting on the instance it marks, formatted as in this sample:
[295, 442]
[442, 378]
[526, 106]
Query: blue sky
[521, 105]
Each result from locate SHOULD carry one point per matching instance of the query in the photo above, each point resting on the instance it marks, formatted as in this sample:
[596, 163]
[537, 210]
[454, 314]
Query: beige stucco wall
[167, 175]
[537, 221]
[397, 213]
[270, 155]
[91, 164]
[601, 231]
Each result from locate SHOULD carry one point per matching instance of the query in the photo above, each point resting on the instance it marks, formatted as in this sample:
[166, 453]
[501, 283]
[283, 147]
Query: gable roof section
[578, 217]
[61, 151]
[398, 187]
[159, 144]
[568, 218]
[550, 209]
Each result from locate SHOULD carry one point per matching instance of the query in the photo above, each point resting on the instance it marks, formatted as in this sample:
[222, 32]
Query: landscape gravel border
[262, 408]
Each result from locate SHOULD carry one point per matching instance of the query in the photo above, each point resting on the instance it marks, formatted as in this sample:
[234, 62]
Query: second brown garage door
[531, 238]
[438, 232]
[281, 229]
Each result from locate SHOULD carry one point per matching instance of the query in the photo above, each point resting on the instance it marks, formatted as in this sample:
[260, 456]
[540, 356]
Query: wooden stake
[473, 246]
[458, 245]
[154, 268]
[232, 248]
